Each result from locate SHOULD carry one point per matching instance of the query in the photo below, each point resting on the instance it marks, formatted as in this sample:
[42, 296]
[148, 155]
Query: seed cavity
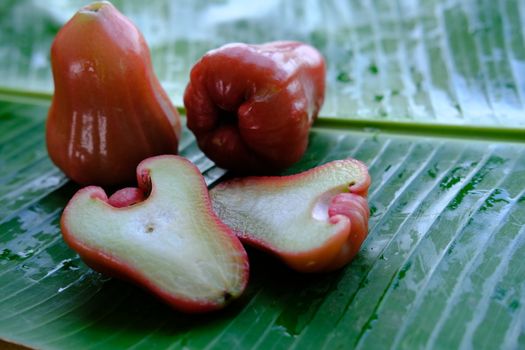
[150, 227]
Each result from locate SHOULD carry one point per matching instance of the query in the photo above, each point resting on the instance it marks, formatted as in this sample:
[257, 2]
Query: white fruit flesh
[287, 213]
[171, 239]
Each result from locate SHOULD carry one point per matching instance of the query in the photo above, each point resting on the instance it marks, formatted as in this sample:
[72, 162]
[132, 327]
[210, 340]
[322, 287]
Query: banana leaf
[429, 94]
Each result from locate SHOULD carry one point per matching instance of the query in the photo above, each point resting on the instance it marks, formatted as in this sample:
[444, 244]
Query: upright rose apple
[109, 111]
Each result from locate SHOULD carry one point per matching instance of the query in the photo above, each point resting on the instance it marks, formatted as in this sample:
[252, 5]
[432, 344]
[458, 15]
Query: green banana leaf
[429, 94]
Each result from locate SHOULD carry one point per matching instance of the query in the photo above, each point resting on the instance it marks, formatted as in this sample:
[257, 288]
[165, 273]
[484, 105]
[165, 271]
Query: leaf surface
[429, 94]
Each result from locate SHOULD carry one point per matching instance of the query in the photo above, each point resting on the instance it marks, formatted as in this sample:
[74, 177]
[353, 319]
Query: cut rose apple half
[171, 243]
[314, 221]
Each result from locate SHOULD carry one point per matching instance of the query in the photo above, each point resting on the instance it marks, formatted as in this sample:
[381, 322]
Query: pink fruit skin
[110, 265]
[126, 197]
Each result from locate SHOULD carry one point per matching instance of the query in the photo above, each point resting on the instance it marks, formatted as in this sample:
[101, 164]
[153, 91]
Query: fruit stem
[95, 6]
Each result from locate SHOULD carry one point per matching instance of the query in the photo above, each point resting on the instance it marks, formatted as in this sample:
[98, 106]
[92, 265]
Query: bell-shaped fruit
[171, 243]
[314, 221]
[109, 111]
[251, 106]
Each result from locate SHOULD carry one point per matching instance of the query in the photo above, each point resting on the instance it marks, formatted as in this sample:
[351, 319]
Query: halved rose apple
[314, 221]
[171, 243]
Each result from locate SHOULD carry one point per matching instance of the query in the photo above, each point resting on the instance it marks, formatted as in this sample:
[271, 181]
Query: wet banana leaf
[429, 94]
[442, 266]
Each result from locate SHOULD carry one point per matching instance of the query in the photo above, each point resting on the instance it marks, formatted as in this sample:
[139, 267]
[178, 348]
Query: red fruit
[251, 106]
[313, 221]
[109, 111]
[171, 243]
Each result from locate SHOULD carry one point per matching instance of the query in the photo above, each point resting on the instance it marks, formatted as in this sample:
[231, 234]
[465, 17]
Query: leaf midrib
[441, 130]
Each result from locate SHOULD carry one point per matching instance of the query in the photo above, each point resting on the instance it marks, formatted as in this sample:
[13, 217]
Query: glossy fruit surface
[171, 243]
[313, 221]
[109, 111]
[251, 106]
